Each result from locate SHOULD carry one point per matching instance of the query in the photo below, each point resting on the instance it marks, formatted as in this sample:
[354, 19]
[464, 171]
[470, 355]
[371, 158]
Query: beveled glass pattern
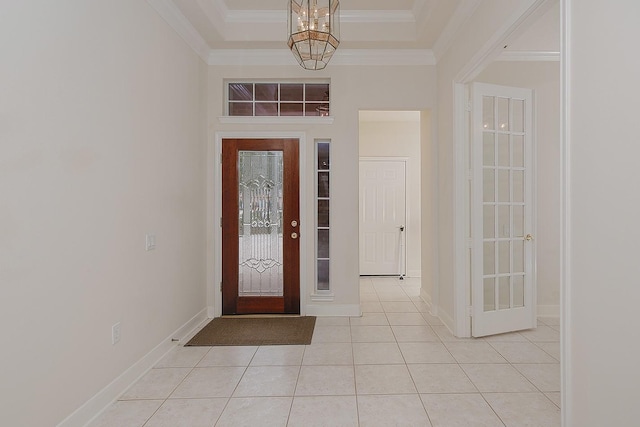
[260, 189]
[503, 176]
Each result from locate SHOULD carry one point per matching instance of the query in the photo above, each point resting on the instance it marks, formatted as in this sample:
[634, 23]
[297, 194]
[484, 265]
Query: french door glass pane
[504, 223]
[518, 291]
[503, 150]
[518, 115]
[488, 113]
[489, 221]
[504, 293]
[489, 294]
[518, 151]
[260, 189]
[503, 114]
[489, 258]
[489, 185]
[489, 149]
[504, 256]
[503, 185]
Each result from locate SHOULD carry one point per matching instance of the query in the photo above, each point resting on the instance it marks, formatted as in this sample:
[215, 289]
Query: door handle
[528, 237]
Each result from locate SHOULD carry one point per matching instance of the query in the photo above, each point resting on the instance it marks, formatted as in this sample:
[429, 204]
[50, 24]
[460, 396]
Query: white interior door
[382, 217]
[503, 283]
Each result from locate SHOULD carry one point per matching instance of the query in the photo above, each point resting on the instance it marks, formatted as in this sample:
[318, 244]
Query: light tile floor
[395, 365]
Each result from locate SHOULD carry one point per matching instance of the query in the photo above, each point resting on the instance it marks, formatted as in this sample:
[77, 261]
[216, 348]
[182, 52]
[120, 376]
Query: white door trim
[407, 209]
[214, 212]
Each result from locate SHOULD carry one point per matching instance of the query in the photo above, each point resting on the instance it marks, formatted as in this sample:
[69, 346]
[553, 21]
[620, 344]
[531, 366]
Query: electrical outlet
[115, 333]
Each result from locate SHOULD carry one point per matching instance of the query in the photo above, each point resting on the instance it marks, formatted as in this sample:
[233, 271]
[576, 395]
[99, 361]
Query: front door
[503, 285]
[382, 217]
[260, 226]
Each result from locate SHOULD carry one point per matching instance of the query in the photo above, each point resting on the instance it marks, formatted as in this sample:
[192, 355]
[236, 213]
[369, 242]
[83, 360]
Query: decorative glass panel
[260, 223]
[323, 157]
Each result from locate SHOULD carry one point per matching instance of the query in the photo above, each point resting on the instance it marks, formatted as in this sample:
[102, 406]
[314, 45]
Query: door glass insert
[260, 189]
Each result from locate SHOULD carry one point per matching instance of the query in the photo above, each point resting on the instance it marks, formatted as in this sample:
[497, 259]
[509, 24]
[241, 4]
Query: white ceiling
[417, 31]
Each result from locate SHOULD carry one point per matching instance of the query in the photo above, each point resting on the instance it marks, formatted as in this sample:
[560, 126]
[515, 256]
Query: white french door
[502, 278]
[382, 217]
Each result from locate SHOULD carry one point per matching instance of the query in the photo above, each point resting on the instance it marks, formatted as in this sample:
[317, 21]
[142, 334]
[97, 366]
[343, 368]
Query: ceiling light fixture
[314, 31]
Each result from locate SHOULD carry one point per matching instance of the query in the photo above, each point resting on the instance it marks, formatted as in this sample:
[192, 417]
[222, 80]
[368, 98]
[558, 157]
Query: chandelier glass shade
[314, 31]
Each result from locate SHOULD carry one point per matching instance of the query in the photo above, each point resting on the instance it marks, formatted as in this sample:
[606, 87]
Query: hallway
[395, 365]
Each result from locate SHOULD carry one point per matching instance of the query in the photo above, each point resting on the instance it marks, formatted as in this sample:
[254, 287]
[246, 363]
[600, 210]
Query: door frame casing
[214, 212]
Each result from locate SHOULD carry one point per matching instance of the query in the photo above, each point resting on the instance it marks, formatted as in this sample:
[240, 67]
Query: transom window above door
[277, 99]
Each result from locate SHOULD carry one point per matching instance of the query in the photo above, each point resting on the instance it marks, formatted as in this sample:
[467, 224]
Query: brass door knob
[528, 237]
[294, 235]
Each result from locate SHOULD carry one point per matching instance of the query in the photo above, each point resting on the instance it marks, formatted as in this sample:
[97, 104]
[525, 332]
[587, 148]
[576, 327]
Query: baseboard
[447, 320]
[105, 397]
[321, 310]
[426, 297]
[414, 273]
[548, 311]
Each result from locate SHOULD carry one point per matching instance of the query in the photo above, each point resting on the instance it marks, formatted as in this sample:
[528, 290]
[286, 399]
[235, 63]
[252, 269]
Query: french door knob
[528, 237]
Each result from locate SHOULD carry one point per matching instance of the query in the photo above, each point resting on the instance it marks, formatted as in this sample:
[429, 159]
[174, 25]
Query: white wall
[603, 286]
[382, 136]
[353, 88]
[101, 141]
[544, 79]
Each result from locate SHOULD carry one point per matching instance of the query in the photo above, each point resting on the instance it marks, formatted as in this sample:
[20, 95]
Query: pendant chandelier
[314, 31]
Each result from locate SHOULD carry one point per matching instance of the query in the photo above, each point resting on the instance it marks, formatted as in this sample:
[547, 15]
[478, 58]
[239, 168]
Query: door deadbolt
[294, 235]
[294, 223]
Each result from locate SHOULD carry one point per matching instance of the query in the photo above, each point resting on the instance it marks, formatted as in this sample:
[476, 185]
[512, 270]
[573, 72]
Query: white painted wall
[353, 88]
[383, 136]
[601, 321]
[101, 141]
[544, 79]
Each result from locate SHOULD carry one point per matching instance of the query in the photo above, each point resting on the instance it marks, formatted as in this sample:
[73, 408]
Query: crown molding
[176, 20]
[341, 57]
[530, 56]
[463, 12]
[346, 16]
